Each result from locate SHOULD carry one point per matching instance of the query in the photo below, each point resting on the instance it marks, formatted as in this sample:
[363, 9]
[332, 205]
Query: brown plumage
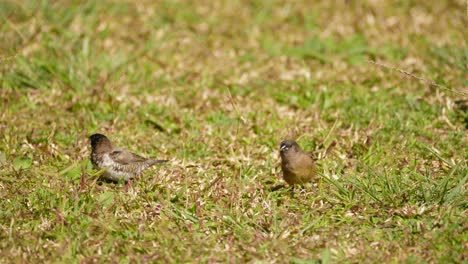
[120, 164]
[298, 166]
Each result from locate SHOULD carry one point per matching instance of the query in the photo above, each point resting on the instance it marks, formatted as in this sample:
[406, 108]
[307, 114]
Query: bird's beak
[283, 148]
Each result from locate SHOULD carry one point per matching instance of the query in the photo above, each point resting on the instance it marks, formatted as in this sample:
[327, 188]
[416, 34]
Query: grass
[215, 86]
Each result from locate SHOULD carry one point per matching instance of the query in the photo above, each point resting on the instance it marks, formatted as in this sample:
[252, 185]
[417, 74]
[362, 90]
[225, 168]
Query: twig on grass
[412, 75]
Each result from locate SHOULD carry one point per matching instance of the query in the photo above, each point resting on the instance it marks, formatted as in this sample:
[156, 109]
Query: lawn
[215, 86]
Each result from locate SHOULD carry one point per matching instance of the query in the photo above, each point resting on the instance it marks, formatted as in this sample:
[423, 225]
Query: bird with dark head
[298, 166]
[120, 164]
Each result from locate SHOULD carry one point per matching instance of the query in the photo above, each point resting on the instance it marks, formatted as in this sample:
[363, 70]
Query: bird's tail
[149, 163]
[153, 162]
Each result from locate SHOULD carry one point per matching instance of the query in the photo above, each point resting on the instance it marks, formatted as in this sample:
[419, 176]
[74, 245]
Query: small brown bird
[121, 164]
[298, 166]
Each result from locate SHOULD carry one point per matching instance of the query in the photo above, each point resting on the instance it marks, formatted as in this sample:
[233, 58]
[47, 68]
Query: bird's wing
[125, 157]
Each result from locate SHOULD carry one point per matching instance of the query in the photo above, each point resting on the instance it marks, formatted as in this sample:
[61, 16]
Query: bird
[119, 164]
[298, 166]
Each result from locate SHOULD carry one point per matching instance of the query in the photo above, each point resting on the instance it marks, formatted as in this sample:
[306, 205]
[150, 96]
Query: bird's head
[99, 141]
[288, 145]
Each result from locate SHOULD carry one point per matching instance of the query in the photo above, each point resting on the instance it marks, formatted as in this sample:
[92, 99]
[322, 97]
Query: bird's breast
[299, 165]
